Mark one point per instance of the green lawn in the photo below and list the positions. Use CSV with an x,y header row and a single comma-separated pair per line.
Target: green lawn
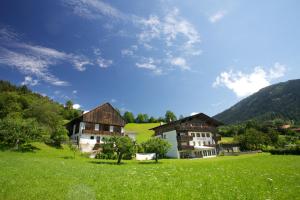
x,y
142,130
51,174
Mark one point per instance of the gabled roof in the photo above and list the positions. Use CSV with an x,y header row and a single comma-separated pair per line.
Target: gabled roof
x,y
103,114
200,116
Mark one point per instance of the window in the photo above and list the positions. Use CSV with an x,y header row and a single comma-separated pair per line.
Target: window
x,y
193,134
92,137
96,127
194,143
207,135
199,143
203,143
203,134
208,142
198,134
111,128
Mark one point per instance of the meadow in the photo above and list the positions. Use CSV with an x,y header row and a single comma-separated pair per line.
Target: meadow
x,y
142,130
51,173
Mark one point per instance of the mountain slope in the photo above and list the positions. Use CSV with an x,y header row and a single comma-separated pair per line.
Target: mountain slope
x,y
280,100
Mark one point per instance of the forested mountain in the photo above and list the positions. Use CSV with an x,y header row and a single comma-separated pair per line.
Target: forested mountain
x,y
280,100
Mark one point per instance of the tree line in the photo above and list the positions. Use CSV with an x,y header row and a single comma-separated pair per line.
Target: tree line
x,y
144,118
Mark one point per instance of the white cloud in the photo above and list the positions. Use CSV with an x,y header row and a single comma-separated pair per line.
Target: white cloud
x,y
76,106
217,16
29,81
74,91
113,100
149,64
94,9
243,84
103,63
129,51
180,62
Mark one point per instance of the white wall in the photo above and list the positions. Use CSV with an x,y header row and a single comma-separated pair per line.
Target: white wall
x,y
171,137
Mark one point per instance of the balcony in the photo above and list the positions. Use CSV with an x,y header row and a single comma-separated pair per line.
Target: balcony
x,y
186,147
184,138
94,132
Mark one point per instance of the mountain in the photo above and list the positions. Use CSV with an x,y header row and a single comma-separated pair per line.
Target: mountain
x,y
280,100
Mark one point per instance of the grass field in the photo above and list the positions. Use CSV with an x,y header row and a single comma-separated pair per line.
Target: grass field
x,y
142,130
52,174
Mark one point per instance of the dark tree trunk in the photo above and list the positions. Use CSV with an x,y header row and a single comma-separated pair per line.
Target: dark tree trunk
x,y
119,158
156,157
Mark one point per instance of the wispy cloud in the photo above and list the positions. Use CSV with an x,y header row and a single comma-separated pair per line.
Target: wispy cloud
x,y
180,62
178,36
217,16
243,84
94,9
35,60
149,64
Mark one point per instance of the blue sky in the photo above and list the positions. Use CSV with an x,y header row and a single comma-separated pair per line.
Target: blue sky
x,y
149,56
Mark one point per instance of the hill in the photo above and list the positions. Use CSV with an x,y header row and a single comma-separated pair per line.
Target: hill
x,y
142,130
280,100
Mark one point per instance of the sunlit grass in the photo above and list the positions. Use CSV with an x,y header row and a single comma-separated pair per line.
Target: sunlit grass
x,y
142,130
52,174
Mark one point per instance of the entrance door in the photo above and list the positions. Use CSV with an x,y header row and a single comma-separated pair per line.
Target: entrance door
x,y
98,138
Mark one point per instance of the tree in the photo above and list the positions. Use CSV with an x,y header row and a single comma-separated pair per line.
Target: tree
x,y
170,116
59,135
122,145
140,118
16,132
156,145
73,147
129,117
152,120
146,118
69,105
252,139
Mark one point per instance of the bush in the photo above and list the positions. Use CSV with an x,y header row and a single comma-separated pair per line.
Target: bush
x,y
287,151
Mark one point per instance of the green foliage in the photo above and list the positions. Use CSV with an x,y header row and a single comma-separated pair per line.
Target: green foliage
x,y
116,148
170,116
278,101
22,105
128,117
156,145
17,132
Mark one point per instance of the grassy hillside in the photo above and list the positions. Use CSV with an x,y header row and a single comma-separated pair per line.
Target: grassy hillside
x,y
51,174
142,130
281,100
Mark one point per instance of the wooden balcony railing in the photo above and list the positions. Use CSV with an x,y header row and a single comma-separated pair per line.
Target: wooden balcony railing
x,y
184,138
102,133
186,147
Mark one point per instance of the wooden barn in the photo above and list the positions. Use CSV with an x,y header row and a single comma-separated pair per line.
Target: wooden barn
x,y
191,137
89,129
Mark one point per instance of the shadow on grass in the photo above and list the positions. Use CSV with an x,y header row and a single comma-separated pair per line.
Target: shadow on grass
x,y
67,157
54,145
106,163
23,148
148,163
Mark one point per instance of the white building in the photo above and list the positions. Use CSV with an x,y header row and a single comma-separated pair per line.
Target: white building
x,y
190,137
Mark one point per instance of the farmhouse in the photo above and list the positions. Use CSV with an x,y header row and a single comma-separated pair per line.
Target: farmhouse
x,y
89,129
190,137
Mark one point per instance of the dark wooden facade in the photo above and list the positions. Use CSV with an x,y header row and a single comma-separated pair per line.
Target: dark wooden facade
x,y
197,123
104,115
